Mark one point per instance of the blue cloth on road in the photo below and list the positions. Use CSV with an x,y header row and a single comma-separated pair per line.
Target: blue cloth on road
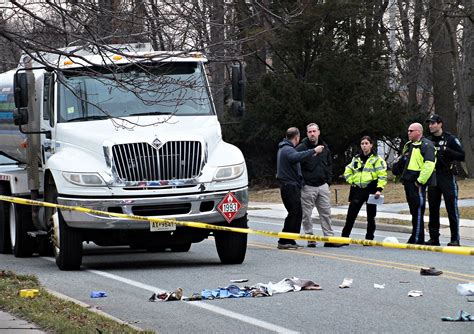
x,y
232,291
98,294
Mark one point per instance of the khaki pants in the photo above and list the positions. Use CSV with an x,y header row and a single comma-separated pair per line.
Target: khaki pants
x,y
319,197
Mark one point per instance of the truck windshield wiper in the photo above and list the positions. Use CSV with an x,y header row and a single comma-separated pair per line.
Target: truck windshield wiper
x,y
151,113
89,118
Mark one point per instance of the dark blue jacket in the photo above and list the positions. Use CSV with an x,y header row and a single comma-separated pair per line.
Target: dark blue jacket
x,y
288,163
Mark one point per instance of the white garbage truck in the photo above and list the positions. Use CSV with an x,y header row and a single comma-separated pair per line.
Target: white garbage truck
x,y
121,129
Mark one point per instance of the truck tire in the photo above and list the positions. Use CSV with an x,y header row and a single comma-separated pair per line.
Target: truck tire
x,y
20,224
68,245
5,243
232,246
67,241
181,248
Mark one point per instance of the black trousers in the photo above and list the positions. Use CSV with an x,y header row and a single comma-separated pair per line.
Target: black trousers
x,y
291,197
358,197
416,198
448,187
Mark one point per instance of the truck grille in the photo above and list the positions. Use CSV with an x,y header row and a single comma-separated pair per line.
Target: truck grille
x,y
174,160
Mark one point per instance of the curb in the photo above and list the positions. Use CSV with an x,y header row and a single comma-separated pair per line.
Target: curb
x,y
379,226
339,222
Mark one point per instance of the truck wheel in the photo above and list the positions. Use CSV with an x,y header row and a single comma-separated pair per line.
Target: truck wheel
x,y
67,244
20,224
232,246
45,246
181,248
5,243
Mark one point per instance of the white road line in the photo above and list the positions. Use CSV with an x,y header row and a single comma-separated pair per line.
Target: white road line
x,y
206,306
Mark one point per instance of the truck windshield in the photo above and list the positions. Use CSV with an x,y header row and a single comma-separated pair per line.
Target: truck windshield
x,y
134,90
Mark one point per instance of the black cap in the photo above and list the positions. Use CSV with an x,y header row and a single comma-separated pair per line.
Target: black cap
x,y
435,118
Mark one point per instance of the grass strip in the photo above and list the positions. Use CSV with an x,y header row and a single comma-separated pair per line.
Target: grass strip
x,y
50,312
390,221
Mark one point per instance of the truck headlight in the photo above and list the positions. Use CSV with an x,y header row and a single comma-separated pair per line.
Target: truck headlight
x,y
84,179
229,172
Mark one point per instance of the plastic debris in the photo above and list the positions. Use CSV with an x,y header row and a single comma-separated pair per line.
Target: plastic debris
x,y
461,316
431,271
241,280
415,293
167,296
379,286
29,293
346,283
98,294
391,239
466,289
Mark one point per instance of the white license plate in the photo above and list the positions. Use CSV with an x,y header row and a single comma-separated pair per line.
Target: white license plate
x,y
162,226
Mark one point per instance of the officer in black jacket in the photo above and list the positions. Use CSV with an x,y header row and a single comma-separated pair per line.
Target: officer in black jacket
x,y
449,150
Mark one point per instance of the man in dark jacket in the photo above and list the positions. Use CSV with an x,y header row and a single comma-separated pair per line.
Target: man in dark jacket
x,y
291,181
416,169
449,150
317,175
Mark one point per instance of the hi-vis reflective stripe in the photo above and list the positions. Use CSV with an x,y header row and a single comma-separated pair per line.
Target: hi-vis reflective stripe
x,y
284,235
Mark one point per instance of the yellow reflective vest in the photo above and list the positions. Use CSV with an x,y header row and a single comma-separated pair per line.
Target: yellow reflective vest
x,y
420,162
361,175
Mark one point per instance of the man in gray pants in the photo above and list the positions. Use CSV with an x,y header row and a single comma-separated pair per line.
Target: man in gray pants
x,y
317,175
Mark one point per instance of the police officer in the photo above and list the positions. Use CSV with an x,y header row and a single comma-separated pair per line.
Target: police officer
x,y
416,168
449,150
367,174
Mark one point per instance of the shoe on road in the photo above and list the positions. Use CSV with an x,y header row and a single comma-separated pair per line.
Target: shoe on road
x,y
288,246
454,243
432,242
432,271
311,244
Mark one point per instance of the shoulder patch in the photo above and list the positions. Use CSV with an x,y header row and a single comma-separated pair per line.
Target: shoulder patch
x,y
457,141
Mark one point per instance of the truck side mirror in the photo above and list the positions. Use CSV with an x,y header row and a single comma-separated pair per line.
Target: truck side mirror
x,y
20,116
238,90
237,109
20,88
238,82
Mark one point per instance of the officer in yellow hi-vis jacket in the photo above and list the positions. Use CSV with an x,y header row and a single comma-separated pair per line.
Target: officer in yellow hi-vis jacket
x,y
415,167
367,174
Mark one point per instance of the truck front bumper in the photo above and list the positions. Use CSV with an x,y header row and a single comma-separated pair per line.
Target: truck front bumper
x,y
195,207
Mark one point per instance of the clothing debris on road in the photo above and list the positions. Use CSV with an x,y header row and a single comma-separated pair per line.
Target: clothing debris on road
x,y
167,296
234,291
98,294
466,289
461,316
346,283
415,293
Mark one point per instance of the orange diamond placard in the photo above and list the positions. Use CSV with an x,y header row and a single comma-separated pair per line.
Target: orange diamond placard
x,y
229,206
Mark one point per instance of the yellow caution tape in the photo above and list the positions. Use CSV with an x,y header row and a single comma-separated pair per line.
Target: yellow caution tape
x,y
29,293
464,250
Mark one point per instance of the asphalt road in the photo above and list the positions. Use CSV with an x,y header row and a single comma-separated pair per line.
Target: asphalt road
x,y
130,278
